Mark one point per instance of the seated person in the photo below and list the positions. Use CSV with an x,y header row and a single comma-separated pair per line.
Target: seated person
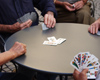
x,y
11,10
18,49
93,29
74,11
82,75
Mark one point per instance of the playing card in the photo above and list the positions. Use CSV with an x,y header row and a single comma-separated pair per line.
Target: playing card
x,y
33,16
49,43
24,18
61,40
18,20
98,33
74,64
91,74
86,60
78,59
52,39
44,27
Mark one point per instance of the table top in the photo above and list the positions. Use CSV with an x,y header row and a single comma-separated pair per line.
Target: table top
x,y
54,59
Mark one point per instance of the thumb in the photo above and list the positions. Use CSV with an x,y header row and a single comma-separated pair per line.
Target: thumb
x,y
85,71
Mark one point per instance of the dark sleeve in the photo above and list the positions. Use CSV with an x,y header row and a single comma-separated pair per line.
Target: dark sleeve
x,y
45,5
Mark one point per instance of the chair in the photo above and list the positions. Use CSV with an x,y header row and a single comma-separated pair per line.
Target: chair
x,y
92,7
10,66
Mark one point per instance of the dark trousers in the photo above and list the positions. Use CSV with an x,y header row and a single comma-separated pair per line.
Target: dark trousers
x,y
82,15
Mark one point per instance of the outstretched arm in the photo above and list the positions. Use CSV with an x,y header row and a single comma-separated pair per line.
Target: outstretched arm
x,y
17,50
15,27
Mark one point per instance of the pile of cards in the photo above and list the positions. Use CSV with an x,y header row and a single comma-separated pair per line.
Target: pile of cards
x,y
86,60
53,41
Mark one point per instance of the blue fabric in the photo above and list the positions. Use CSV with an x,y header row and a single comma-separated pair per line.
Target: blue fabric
x,y
11,10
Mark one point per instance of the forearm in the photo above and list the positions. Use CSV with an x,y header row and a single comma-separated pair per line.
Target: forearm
x,y
58,3
5,28
5,57
98,20
84,1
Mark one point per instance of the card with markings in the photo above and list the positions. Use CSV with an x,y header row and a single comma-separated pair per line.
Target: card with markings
x,y
86,60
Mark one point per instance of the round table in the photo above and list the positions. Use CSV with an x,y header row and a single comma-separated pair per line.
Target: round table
x,y
54,59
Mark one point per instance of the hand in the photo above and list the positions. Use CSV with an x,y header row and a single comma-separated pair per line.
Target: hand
x,y
18,49
49,19
80,75
17,26
68,6
93,29
79,5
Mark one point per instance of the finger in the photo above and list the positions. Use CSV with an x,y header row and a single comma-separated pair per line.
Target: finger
x,y
54,22
25,23
79,6
28,24
76,74
91,29
76,71
68,4
49,21
70,9
45,19
84,71
96,29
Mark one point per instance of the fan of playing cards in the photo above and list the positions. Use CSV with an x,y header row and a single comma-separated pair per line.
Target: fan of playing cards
x,y
53,41
86,60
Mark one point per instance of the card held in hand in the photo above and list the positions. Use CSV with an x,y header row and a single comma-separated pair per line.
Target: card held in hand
x,y
86,60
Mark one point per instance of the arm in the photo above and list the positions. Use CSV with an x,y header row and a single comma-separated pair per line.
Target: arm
x,y
65,5
15,27
80,4
17,50
48,11
58,3
45,6
5,28
93,29
84,1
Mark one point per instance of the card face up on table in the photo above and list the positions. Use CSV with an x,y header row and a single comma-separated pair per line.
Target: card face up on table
x,y
53,41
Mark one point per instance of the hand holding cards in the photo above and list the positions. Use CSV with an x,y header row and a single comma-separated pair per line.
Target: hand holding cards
x,y
27,16
53,41
86,60
44,27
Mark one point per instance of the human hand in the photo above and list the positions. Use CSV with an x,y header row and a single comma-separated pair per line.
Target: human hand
x,y
49,19
93,29
79,5
68,6
80,75
18,49
19,26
